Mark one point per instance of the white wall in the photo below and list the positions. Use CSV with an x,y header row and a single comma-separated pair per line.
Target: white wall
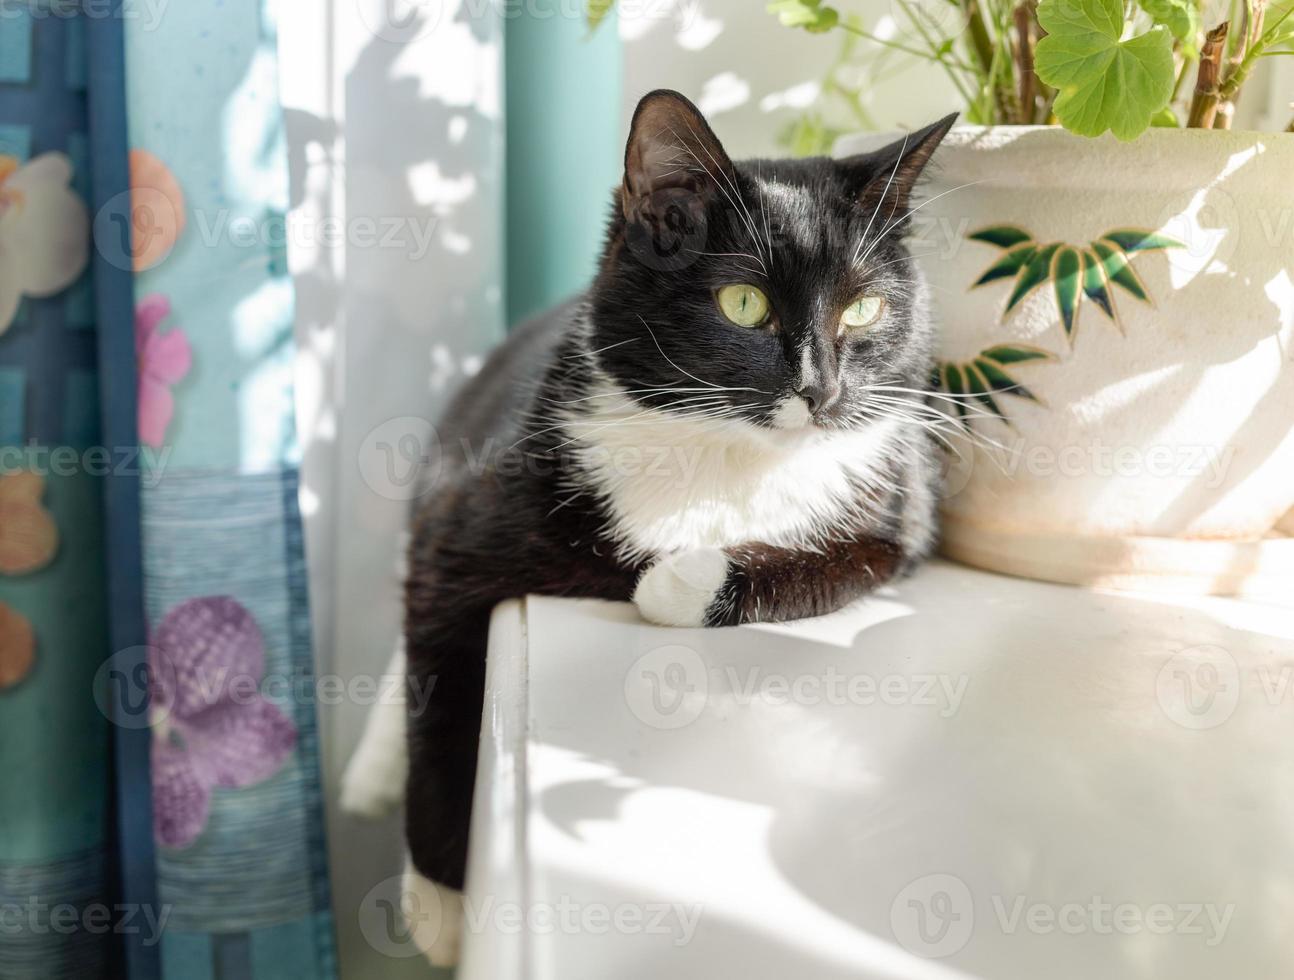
x,y
748,73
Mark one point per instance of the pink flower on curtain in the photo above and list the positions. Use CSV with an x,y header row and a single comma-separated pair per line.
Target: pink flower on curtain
x,y
164,359
212,727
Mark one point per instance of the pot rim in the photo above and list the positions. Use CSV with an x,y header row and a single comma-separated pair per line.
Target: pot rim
x,y
1051,157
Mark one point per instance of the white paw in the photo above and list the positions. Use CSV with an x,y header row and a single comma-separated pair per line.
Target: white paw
x,y
373,783
434,917
678,590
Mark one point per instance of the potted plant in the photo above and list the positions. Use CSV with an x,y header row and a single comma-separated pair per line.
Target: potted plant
x,y
1114,268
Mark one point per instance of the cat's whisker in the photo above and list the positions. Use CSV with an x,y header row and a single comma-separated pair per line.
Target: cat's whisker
x,y
688,373
909,213
631,391
763,211
724,420
945,418
595,353
943,395
735,202
877,210
934,411
903,258
933,429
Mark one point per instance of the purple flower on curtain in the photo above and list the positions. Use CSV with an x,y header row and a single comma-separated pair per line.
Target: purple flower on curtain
x,y
212,727
164,359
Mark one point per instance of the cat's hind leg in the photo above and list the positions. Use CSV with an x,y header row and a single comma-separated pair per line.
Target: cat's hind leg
x,y
434,917
373,783
447,664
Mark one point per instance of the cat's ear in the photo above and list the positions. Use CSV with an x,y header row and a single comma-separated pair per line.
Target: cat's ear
x,y
672,160
885,177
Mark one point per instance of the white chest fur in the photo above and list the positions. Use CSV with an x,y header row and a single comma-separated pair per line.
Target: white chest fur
x,y
673,484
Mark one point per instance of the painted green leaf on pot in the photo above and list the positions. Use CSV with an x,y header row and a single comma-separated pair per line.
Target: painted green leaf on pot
x,y
1001,382
1017,354
1104,80
954,383
1033,275
1066,275
1139,240
985,376
1073,271
1003,236
1009,264
979,387
1096,286
1118,268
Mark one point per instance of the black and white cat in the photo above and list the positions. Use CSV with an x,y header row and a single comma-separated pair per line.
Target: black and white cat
x,y
731,426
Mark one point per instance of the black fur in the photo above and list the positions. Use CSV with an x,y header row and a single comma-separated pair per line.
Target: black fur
x,y
511,512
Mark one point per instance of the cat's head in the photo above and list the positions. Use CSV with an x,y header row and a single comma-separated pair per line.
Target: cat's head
x,y
773,291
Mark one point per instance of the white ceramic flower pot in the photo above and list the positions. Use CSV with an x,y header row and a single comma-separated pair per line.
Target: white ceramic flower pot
x,y
1150,446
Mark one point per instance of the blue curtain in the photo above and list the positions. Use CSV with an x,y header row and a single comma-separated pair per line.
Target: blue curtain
x,y
161,809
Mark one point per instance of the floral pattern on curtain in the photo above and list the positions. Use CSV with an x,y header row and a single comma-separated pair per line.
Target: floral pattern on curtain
x,y
152,577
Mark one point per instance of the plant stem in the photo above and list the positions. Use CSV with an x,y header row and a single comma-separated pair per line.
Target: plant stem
x,y
1187,61
1204,103
1024,62
981,43
915,52
1257,49
945,62
1244,44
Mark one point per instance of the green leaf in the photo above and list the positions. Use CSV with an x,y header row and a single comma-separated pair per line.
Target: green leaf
x,y
1165,118
595,11
1095,284
1002,382
809,136
1017,354
1066,276
1181,17
1118,269
808,14
1139,240
1280,21
1033,275
1003,236
1008,265
1104,82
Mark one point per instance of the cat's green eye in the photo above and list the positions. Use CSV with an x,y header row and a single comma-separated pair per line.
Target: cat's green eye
x,y
862,312
743,304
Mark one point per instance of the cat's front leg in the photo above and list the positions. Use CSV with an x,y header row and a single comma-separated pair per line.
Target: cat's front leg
x,y
761,583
